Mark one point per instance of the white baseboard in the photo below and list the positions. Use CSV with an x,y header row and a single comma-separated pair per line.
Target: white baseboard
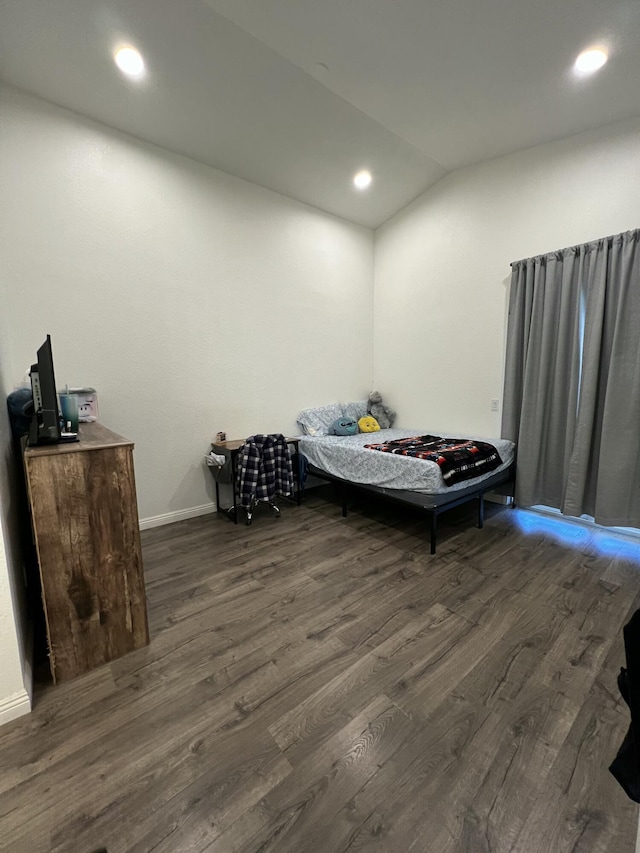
x,y
178,515
14,707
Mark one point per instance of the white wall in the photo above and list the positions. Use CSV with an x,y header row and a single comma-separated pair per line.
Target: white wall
x,y
15,669
192,300
14,698
442,268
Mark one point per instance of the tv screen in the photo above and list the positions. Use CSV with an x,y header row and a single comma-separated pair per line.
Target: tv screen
x,y
45,425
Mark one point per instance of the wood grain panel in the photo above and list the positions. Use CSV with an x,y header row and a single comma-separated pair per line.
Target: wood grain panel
x,y
85,523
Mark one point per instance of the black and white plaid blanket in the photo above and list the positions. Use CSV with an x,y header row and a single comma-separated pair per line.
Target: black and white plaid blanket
x,y
459,459
263,469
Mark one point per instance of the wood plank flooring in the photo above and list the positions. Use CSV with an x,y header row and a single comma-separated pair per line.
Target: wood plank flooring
x,y
324,684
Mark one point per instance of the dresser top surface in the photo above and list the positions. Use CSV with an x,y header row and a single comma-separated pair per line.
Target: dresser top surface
x,y
93,436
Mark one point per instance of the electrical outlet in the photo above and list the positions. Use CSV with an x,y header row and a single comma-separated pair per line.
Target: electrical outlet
x,y
495,404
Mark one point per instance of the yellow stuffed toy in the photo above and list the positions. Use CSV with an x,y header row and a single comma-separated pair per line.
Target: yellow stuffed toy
x,y
368,424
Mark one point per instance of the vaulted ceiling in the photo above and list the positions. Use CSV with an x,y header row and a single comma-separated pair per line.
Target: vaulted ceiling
x,y
298,95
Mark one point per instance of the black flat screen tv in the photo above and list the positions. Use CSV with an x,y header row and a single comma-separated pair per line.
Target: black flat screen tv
x,y
45,424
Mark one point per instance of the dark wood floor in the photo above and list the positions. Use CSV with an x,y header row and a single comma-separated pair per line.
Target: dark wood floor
x,y
321,684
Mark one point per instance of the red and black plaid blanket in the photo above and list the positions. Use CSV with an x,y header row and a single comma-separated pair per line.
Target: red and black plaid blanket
x,y
459,459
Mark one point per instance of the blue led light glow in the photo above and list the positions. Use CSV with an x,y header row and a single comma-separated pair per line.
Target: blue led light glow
x,y
578,534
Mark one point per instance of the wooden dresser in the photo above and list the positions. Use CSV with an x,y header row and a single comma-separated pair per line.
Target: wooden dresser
x,y
85,523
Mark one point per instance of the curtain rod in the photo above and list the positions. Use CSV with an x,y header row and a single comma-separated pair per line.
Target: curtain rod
x,y
633,233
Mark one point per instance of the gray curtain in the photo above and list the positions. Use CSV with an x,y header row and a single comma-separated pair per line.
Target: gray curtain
x,y
572,379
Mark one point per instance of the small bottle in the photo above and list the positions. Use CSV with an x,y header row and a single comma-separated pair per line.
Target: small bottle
x,y
221,437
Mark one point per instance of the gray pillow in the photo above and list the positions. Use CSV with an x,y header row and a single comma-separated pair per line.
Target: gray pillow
x,y
355,410
318,421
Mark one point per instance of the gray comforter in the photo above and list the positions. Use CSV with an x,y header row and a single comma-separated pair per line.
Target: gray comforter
x,y
346,457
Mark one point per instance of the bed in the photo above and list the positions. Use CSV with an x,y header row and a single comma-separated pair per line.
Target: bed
x,y
347,462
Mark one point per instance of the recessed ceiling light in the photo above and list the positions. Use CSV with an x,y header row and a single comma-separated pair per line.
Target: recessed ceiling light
x,y
362,179
129,61
590,60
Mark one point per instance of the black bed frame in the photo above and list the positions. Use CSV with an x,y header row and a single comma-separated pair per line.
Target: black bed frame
x,y
431,504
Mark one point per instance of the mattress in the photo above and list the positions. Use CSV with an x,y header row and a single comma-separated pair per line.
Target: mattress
x,y
346,457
